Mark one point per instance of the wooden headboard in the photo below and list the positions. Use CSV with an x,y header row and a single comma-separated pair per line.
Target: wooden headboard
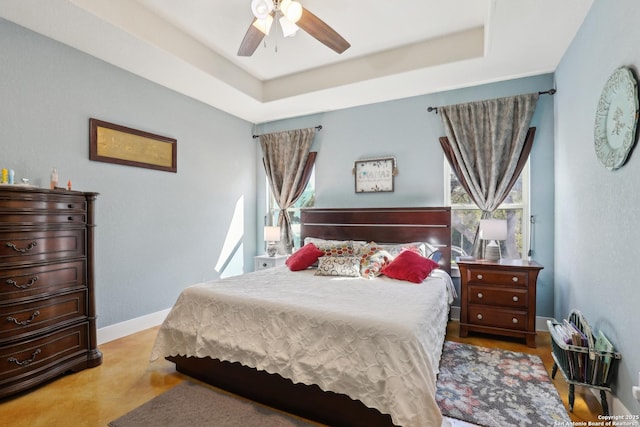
x,y
382,225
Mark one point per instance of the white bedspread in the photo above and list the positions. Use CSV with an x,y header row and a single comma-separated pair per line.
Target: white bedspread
x,y
378,341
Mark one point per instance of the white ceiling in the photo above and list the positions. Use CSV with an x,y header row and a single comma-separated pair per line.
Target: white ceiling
x,y
398,48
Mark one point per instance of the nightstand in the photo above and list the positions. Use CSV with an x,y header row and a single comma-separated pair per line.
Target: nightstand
x,y
499,298
262,262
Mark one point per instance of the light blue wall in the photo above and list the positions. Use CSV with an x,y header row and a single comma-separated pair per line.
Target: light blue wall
x,y
406,130
157,231
597,210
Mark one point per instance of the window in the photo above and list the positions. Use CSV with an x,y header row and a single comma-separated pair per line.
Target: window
x,y
306,200
465,216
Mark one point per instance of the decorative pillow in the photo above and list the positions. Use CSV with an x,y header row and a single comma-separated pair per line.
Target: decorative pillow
x,y
333,248
435,256
304,257
409,266
338,266
372,260
429,250
395,248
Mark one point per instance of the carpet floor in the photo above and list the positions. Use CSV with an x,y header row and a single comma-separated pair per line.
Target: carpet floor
x,y
493,387
192,405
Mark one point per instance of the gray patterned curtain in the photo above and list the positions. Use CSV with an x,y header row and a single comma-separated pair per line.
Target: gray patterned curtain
x,y
487,144
288,164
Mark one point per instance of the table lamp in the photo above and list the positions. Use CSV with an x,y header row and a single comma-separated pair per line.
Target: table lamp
x,y
271,236
492,230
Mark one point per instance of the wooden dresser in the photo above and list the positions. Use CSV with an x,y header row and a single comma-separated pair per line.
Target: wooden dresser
x,y
47,308
499,298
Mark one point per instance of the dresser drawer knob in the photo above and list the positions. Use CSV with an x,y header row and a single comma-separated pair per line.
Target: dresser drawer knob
x,y
264,264
70,206
29,247
70,218
514,320
24,322
515,298
25,362
479,316
30,283
515,279
479,276
480,295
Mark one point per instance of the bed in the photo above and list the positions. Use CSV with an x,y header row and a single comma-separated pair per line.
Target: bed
x,y
340,350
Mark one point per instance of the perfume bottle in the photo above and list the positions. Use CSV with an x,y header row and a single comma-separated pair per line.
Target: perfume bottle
x,y
54,178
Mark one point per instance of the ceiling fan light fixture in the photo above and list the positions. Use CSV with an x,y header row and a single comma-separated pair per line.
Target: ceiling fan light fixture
x,y
291,9
264,25
261,8
289,29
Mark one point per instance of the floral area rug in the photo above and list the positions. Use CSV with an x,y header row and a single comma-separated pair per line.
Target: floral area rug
x,y
493,387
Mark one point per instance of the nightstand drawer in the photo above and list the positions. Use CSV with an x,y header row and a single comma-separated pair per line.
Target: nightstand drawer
x,y
265,263
498,296
262,262
497,277
498,318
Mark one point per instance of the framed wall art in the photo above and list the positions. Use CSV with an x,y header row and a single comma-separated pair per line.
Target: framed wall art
x,y
113,143
375,175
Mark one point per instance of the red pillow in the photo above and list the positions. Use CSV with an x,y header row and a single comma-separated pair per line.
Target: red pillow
x,y
409,266
304,257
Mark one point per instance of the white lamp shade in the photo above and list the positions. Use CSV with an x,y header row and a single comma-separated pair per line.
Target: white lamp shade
x,y
291,9
261,8
289,29
272,234
493,229
264,25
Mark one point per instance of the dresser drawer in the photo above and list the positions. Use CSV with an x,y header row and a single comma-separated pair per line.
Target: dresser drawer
x,y
497,277
498,318
498,296
60,204
27,219
38,246
18,284
21,320
33,357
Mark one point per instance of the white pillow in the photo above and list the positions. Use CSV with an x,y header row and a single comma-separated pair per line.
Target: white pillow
x,y
395,248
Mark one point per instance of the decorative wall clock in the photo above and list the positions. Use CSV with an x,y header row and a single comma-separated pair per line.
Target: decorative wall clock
x,y
616,119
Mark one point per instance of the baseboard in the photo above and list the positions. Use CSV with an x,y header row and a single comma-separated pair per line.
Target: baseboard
x,y
616,407
541,322
128,327
454,313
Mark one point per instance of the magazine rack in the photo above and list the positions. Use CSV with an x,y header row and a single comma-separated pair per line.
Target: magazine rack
x,y
583,359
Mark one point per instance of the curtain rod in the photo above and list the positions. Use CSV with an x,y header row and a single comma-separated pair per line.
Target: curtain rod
x,y
319,127
546,92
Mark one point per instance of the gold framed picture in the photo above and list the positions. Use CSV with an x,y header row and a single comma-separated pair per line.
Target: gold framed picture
x,y
113,143
375,175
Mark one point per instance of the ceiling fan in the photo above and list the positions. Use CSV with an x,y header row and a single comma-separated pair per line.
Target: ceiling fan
x,y
291,16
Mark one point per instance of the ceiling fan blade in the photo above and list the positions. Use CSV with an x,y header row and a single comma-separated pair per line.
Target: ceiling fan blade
x,y
322,32
251,40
